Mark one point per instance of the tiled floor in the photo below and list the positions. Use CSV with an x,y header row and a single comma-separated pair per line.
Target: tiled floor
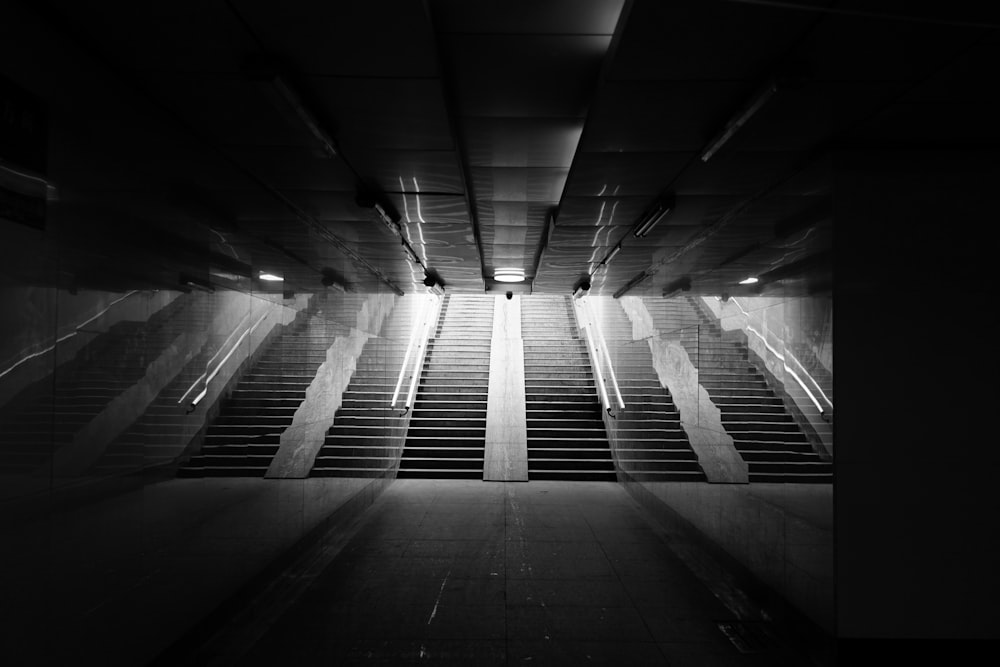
x,y
481,573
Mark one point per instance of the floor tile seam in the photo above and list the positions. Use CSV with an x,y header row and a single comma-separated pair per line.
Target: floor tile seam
x,y
617,577
506,578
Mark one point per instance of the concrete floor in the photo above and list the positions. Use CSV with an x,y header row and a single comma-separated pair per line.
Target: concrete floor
x,y
435,571
466,572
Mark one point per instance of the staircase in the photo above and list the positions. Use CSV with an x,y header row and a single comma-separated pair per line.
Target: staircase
x,y
772,444
363,441
35,427
651,445
246,434
160,434
447,433
566,436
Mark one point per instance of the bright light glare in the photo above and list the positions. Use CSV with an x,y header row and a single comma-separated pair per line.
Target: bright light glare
x,y
509,275
270,277
748,281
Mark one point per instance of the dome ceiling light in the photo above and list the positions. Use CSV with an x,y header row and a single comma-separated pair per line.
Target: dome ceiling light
x,y
509,275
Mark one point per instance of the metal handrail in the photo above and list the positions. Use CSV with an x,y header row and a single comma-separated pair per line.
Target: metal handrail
x,y
599,349
611,369
208,376
409,349
77,329
418,359
597,367
781,357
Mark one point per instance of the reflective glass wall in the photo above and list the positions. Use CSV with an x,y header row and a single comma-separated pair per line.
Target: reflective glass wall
x,y
713,418
160,447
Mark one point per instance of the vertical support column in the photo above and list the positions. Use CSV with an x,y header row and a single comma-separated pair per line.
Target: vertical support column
x,y
506,455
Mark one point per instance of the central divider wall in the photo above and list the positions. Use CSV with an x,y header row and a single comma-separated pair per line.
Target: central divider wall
x,y
506,456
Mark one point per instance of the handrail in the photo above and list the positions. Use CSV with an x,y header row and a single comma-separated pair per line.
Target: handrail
x,y
598,347
209,376
597,367
406,357
607,356
418,359
77,329
781,357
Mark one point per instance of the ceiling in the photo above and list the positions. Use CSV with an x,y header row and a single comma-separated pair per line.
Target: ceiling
x,y
212,140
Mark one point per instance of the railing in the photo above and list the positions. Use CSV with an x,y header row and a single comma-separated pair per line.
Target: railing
x,y
782,358
599,352
206,378
76,330
417,348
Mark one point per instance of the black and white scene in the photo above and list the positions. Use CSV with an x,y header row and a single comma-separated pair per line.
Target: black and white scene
x,y
498,332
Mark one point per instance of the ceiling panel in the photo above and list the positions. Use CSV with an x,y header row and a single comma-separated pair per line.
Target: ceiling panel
x,y
366,114
345,38
600,211
585,17
513,213
431,208
166,36
479,107
736,173
227,108
623,174
525,75
439,234
519,184
521,142
294,167
672,116
411,171
706,40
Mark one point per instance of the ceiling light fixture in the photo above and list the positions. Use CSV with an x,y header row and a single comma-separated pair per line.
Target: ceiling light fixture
x,y
509,275
748,281
740,119
660,208
410,255
365,199
611,255
270,277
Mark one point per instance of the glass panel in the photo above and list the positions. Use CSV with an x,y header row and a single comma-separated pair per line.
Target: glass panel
x,y
716,430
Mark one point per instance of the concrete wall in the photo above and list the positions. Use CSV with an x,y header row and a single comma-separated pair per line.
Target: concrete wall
x,y
917,465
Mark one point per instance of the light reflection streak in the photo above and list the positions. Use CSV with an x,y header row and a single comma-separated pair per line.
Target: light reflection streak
x,y
416,275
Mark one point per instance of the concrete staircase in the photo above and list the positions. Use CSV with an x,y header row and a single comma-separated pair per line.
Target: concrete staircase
x,y
764,433
36,425
566,436
363,441
245,436
447,433
159,436
650,444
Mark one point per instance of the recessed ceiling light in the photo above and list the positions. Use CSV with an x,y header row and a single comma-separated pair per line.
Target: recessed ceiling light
x,y
264,275
748,281
509,275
